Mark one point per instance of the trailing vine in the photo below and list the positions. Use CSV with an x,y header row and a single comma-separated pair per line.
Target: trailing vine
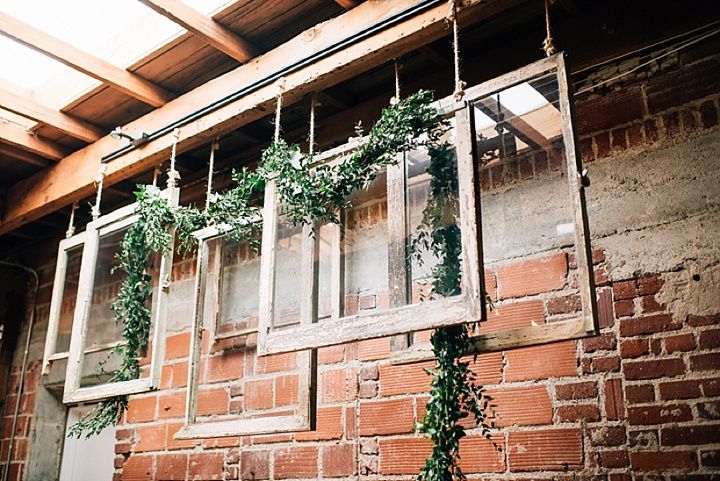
x,y
454,394
310,193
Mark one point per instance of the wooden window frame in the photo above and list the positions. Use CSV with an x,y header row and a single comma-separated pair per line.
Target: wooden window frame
x,y
56,299
104,225
401,317
302,420
470,306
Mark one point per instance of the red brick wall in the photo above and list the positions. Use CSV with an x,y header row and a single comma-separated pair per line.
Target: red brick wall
x,y
641,401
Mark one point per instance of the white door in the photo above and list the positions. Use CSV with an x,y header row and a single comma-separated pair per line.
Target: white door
x,y
87,459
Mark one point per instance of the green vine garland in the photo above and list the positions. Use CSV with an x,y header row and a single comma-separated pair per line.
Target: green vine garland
x,y
317,193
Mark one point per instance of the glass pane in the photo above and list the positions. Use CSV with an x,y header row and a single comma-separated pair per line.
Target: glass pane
x,y
366,250
102,330
69,297
433,217
87,459
325,266
527,207
237,291
288,270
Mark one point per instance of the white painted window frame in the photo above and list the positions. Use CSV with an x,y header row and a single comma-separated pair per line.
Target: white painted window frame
x,y
304,417
404,318
104,225
58,291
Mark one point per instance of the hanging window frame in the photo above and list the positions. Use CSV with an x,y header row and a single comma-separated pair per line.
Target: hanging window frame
x,y
56,299
304,417
471,305
104,225
401,317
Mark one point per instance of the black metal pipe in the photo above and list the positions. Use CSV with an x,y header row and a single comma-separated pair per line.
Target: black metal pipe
x,y
293,67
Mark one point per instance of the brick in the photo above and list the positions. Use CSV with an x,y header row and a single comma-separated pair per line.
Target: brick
x,y
614,459
259,394
614,401
698,80
171,466
179,374
138,468
603,342
338,385
331,354
532,276
541,362
276,363
213,401
661,460
659,414
374,349
635,135
680,390
649,285
697,321
708,114
171,405
296,462
286,390
632,348
549,449
328,425
405,379
225,367
393,416
654,369
671,121
602,142
690,435
624,289
481,455
650,305
524,406
710,458
637,326
680,343
709,339
644,438
606,318
652,132
564,305
254,465
705,362
513,315
608,436
578,412
619,139
369,373
177,346
141,409
338,461
205,466
403,455
625,308
368,389
369,446
150,438
601,364
576,390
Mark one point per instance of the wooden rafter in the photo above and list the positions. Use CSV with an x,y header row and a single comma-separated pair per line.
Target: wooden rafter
x,y
73,178
23,156
25,107
127,82
221,38
22,139
348,4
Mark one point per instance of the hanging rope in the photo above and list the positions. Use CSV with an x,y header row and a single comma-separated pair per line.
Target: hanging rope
x,y
211,170
548,44
99,181
311,137
459,92
156,174
173,175
71,224
278,108
396,98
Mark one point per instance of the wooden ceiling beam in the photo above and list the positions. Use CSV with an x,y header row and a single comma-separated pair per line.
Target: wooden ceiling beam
x,y
219,37
119,78
348,4
73,178
30,109
23,156
22,139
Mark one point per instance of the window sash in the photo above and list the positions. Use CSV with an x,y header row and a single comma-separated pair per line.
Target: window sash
x,y
108,224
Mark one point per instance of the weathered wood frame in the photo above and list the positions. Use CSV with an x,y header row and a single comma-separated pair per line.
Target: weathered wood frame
x,y
302,420
56,299
586,324
103,226
401,317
